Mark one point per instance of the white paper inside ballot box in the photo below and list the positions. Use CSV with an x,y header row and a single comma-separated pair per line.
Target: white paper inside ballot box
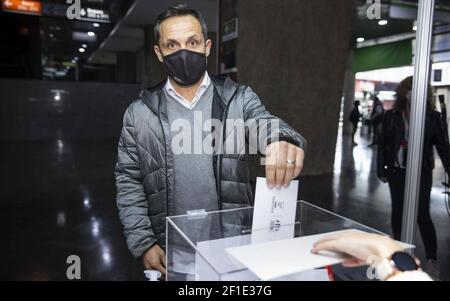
x,y
213,263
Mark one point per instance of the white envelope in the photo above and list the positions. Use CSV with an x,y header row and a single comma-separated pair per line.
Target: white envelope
x,y
274,211
274,259
280,258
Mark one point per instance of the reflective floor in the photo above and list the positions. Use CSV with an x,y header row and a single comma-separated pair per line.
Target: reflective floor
x,y
58,200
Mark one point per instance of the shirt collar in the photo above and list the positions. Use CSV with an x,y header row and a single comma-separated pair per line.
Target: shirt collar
x,y
200,91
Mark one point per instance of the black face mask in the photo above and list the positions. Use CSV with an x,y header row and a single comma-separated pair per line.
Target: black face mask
x,y
185,67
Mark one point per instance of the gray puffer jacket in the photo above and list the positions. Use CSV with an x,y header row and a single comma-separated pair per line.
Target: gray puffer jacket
x,y
144,170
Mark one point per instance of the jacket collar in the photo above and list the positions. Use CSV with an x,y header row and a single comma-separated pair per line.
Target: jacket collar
x,y
224,86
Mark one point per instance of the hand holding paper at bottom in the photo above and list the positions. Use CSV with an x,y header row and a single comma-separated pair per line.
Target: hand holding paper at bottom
x,y
279,258
275,259
362,248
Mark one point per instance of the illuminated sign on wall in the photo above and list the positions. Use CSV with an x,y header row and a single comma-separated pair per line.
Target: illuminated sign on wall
x,y
91,14
22,6
85,13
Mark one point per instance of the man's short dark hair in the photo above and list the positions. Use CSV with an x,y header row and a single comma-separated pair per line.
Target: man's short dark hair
x,y
179,10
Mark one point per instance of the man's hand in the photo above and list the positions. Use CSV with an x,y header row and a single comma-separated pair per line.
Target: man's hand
x,y
284,162
155,259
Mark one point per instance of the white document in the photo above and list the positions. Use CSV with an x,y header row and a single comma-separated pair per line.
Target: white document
x,y
227,268
280,258
274,211
275,259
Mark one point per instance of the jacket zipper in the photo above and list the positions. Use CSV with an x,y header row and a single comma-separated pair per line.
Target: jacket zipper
x,y
219,157
165,159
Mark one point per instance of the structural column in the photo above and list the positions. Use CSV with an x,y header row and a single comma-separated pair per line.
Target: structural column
x,y
417,123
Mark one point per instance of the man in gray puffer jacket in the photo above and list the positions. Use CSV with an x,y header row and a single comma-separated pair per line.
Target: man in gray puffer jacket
x,y
158,174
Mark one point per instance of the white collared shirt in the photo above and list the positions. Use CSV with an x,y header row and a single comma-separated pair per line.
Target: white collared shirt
x,y
200,91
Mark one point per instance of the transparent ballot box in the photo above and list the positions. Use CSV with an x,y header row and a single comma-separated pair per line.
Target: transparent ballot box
x,y
197,242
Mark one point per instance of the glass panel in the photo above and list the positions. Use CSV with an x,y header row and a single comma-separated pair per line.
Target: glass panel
x,y
434,209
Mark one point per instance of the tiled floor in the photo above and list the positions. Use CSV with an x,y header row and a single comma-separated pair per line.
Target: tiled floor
x,y
58,200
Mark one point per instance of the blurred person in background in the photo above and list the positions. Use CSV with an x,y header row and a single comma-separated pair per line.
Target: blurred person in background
x,y
392,159
376,117
354,118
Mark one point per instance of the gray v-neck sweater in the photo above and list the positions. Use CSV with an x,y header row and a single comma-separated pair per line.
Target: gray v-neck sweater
x,y
195,184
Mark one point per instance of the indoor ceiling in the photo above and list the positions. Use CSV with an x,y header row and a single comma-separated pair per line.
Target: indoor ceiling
x,y
400,22
62,39
128,33
64,42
